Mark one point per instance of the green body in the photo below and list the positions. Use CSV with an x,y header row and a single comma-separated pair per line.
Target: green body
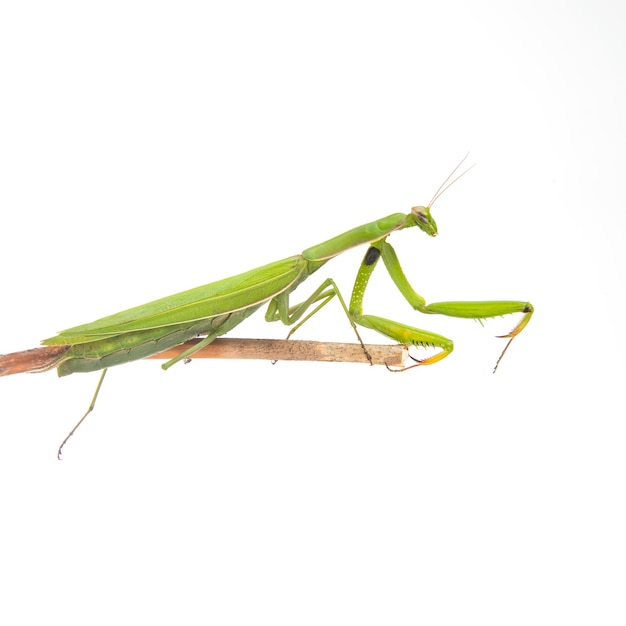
x,y
151,328
216,308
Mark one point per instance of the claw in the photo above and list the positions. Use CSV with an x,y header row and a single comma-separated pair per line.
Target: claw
x,y
418,362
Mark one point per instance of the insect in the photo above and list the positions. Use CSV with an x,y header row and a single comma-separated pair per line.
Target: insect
x,y
216,308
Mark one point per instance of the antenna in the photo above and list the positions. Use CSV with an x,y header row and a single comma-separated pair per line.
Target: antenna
x,y
446,185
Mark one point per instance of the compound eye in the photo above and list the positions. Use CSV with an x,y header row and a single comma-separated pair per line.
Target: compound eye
x,y
419,213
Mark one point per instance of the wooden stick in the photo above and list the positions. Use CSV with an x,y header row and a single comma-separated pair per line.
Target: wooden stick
x,y
44,358
282,350
33,360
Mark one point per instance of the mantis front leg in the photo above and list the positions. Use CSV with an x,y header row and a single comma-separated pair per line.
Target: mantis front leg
x,y
407,334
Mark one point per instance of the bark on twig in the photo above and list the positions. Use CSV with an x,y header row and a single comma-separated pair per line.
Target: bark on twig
x,y
45,357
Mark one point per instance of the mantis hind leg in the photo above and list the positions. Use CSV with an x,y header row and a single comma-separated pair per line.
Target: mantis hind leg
x,y
87,412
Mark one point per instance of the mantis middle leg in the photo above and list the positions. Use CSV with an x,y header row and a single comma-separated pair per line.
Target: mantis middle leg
x,y
279,309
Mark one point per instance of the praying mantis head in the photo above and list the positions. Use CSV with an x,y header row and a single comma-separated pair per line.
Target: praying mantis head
x,y
421,214
422,218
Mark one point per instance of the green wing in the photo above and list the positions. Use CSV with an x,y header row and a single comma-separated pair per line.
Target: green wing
x,y
218,298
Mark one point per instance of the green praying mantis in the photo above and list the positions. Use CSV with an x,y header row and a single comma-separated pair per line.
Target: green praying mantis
x,y
214,309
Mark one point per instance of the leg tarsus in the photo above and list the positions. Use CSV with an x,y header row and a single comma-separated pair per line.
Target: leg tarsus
x,y
397,370
528,313
508,343
418,362
82,419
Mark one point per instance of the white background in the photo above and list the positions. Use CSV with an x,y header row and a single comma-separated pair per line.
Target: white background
x,y
149,147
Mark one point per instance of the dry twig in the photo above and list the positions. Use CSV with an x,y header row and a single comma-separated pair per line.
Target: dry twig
x,y
44,358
